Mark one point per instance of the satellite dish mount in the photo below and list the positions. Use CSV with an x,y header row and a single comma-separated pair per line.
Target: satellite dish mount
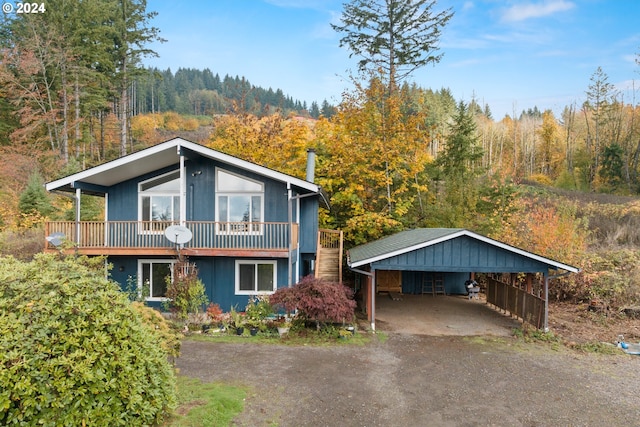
x,y
178,234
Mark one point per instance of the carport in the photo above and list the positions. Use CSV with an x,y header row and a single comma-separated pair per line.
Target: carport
x,y
438,261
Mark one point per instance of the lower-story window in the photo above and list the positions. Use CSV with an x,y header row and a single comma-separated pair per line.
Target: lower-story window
x,y
255,277
153,275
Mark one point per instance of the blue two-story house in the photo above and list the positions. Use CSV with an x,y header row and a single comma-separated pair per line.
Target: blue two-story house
x,y
251,229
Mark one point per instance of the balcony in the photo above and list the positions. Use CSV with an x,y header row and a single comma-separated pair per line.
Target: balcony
x,y
146,238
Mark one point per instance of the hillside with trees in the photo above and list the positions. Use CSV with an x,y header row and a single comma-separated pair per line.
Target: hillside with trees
x,y
392,155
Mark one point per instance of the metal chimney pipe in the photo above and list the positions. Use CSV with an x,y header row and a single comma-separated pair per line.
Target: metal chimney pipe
x,y
311,164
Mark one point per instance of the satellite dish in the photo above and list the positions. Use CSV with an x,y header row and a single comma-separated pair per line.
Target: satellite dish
x,y
56,239
178,234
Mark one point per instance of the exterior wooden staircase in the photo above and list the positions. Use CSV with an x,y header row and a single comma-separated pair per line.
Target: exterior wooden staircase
x,y
329,255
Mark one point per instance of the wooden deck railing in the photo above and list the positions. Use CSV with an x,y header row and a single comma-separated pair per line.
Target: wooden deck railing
x,y
527,307
150,234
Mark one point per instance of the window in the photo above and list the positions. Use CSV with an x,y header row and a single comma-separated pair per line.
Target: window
x,y
239,207
255,277
159,201
153,278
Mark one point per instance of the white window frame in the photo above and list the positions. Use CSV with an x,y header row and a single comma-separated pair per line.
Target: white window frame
x,y
146,228
222,225
171,263
255,262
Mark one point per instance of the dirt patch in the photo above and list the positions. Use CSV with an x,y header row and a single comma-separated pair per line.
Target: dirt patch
x,y
575,323
421,380
448,361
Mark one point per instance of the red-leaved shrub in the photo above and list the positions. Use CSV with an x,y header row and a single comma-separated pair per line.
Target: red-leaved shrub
x,y
316,299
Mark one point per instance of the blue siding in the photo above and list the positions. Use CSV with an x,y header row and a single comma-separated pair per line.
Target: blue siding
x,y
123,267
308,224
462,254
200,203
123,197
216,273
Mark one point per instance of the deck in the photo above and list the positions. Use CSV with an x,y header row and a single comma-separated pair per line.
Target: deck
x,y
210,238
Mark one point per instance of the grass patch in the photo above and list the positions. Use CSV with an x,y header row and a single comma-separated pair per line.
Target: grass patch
x,y
597,348
382,337
304,336
206,404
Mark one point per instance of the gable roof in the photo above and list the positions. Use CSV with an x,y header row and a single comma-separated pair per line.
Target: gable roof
x,y
411,240
159,156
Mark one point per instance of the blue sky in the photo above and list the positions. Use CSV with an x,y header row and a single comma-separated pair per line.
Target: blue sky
x,y
512,55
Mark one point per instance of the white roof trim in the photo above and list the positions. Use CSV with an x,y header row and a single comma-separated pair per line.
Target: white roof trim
x,y
181,143
475,236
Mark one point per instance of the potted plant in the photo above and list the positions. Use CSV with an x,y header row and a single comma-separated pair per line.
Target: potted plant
x,y
257,310
238,321
214,312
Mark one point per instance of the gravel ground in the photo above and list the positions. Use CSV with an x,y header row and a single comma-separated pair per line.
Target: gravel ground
x,y
420,380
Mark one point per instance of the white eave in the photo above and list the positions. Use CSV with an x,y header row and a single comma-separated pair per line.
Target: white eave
x,y
160,156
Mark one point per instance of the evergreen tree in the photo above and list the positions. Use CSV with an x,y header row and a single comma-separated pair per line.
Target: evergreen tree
x,y
34,198
392,36
459,171
612,168
314,111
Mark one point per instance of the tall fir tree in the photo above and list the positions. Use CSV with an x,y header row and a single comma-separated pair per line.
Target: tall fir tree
x,y
394,37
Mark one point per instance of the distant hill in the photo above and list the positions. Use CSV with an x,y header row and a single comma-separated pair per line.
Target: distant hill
x,y
201,92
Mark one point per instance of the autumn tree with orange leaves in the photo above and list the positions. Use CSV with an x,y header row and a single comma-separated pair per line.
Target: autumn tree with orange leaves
x,y
372,161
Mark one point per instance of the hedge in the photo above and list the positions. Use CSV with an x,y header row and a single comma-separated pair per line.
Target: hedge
x,y
74,351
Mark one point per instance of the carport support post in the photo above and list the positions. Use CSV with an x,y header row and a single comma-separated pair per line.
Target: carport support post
x,y
546,302
373,301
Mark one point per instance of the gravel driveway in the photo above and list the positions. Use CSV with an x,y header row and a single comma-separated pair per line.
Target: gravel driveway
x,y
417,380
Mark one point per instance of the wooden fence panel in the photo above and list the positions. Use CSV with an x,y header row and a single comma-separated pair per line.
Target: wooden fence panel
x,y
517,302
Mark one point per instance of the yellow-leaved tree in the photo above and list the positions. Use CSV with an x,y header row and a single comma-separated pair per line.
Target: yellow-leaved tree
x,y
371,162
272,141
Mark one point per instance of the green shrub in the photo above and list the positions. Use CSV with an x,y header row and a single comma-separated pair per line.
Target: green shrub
x,y
186,292
169,337
73,350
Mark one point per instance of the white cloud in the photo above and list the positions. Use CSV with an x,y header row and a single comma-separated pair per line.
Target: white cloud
x,y
468,5
524,11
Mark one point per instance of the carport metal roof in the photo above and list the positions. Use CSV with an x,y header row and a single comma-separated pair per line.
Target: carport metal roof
x,y
449,249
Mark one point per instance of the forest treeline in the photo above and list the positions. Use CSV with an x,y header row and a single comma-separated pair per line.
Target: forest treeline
x,y
200,92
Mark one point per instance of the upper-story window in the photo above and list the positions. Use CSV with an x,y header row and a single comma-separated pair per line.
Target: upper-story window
x,y
239,203
159,199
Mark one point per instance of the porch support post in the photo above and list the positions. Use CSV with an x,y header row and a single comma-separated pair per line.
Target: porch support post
x,y
106,219
183,188
77,201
